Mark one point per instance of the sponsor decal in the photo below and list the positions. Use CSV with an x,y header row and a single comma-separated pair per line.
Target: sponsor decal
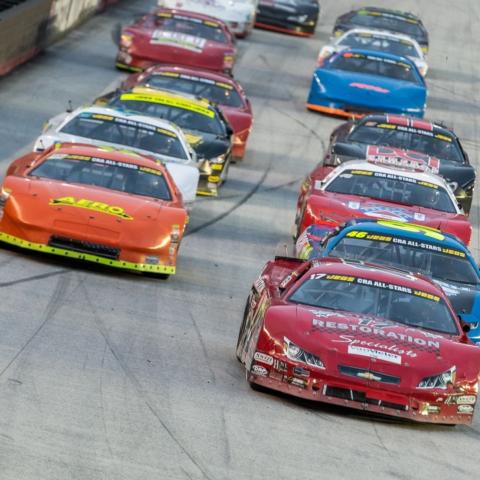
x,y
263,357
465,409
366,86
91,205
259,285
375,283
461,400
402,158
178,40
176,102
402,341
372,353
259,370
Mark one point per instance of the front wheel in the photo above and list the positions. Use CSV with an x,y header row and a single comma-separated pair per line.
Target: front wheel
x,y
241,333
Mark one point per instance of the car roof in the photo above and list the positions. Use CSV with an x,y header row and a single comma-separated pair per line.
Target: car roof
x,y
407,121
188,13
107,153
381,273
154,121
191,71
394,228
375,167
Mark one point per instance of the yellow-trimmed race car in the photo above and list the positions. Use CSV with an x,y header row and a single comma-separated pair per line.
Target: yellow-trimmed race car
x,y
205,127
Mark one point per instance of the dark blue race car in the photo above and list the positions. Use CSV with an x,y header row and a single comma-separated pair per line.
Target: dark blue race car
x,y
409,247
353,82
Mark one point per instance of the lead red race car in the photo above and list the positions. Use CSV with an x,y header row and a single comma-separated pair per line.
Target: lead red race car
x,y
383,187
360,336
176,36
217,88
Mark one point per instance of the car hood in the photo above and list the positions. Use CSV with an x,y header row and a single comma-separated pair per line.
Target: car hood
x,y
371,90
463,175
95,213
346,339
158,44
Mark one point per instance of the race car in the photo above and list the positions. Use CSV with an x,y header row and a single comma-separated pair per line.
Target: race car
x,y
159,139
359,335
297,17
176,36
94,204
206,130
378,41
420,137
414,248
354,82
383,19
219,89
239,15
380,189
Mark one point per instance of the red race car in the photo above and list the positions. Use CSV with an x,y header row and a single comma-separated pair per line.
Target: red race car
x,y
215,87
176,36
380,188
360,336
100,205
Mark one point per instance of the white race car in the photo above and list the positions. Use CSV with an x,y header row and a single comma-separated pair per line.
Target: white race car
x,y
239,15
145,135
377,40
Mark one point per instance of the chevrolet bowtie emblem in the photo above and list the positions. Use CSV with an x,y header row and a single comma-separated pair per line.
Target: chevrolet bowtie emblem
x,y
369,376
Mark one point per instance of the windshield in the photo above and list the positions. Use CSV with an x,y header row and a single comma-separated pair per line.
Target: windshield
x,y
380,43
110,129
213,91
442,263
183,117
180,24
371,65
392,188
100,172
440,145
388,22
400,304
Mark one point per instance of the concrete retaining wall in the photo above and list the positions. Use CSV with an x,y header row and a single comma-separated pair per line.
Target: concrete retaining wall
x,y
27,28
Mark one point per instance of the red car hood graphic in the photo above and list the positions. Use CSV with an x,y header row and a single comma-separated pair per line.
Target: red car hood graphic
x,y
346,339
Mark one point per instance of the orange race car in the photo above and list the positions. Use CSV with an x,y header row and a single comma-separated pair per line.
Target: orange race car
x,y
101,205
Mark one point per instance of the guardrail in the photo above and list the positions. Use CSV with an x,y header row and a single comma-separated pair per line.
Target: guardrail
x,y
28,26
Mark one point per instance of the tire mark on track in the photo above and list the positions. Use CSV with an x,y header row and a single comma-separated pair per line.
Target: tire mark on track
x,y
234,207
52,307
142,394
33,278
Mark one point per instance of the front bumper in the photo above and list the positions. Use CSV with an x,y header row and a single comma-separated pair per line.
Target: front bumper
x,y
212,176
316,385
100,260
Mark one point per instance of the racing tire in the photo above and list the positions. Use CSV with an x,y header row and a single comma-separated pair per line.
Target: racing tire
x,y
224,174
242,331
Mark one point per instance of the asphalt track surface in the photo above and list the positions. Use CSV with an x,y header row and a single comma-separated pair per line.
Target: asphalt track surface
x,y
105,375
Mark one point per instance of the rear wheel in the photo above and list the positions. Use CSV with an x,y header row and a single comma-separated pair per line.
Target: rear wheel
x,y
241,333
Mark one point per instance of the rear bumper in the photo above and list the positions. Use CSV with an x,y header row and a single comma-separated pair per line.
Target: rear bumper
x,y
301,31
100,260
316,385
134,63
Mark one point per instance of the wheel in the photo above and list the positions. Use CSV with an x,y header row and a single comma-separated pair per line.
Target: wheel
x,y
241,332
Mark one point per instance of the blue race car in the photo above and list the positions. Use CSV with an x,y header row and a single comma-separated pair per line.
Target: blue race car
x,y
440,256
354,82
